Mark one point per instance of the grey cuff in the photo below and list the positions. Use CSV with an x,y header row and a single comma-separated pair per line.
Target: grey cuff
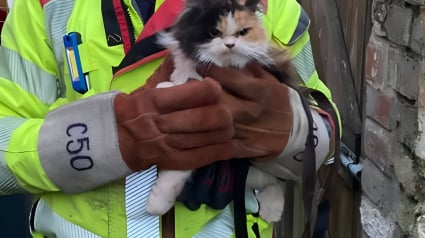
x,y
78,145
288,164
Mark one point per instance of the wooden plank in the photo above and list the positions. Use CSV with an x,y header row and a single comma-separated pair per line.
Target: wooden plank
x,y
334,66
356,23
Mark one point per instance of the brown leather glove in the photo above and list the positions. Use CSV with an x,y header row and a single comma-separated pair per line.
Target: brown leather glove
x,y
182,127
261,109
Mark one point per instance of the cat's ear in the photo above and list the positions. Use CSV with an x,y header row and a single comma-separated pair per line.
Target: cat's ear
x,y
250,4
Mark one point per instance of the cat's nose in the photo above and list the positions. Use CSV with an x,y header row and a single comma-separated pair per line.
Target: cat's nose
x,y
229,45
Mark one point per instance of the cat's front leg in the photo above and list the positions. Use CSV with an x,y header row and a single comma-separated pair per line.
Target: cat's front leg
x,y
168,186
270,194
272,201
184,69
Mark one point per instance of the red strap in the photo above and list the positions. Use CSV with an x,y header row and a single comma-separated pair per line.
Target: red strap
x,y
122,22
164,17
43,2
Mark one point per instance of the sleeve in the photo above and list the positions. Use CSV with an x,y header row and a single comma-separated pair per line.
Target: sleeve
x,y
288,24
288,164
28,86
41,133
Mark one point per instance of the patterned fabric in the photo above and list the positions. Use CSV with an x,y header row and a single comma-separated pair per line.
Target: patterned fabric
x,y
221,226
8,183
22,72
304,63
52,225
57,15
137,189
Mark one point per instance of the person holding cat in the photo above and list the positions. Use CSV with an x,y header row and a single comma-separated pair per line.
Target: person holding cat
x,y
84,132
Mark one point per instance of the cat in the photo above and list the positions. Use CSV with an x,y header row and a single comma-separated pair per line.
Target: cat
x,y
227,33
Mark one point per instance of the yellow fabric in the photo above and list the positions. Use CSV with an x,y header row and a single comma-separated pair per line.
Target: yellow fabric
x,y
282,18
265,229
102,210
33,178
27,39
188,223
136,76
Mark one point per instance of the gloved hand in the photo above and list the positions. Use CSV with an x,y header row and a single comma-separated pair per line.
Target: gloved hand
x,y
261,108
182,127
102,138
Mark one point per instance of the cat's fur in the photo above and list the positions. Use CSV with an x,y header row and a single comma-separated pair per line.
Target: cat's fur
x,y
227,33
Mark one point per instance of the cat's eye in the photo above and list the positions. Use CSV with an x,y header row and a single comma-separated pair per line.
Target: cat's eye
x,y
243,32
215,32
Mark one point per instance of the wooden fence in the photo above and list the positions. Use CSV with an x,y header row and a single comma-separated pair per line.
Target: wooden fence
x,y
339,33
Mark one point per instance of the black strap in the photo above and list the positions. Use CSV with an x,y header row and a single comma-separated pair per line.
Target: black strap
x,y
241,173
313,197
110,23
308,161
309,183
140,50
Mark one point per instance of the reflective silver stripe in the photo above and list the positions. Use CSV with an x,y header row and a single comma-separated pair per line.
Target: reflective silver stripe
x,y
302,26
221,226
28,76
8,183
57,13
304,63
50,224
137,189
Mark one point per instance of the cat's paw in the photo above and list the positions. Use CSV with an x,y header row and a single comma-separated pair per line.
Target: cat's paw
x,y
165,84
180,76
159,204
167,187
271,202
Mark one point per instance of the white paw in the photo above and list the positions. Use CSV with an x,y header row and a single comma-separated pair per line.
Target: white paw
x,y
159,204
168,186
271,202
165,85
181,76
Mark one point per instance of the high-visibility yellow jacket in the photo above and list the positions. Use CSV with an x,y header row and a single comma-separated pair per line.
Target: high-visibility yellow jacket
x,y
34,80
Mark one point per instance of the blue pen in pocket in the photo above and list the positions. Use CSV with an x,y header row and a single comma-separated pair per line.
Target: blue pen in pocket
x,y
80,82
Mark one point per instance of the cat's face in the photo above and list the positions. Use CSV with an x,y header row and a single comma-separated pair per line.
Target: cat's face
x,y
222,32
236,39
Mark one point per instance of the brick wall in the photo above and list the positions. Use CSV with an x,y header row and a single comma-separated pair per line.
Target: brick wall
x,y
393,140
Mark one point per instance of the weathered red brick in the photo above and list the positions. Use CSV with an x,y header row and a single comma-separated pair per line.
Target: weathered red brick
x,y
377,146
381,106
376,61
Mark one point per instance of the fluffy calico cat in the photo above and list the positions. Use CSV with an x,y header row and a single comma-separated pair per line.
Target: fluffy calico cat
x,y
227,33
